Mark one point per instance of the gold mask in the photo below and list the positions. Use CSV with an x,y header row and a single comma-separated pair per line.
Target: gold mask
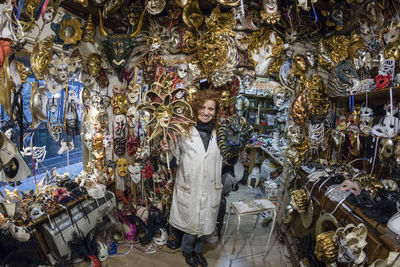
x,y
392,51
122,167
212,53
299,108
101,121
90,31
94,64
326,249
317,100
225,98
300,198
120,104
42,54
192,16
332,50
190,41
192,91
70,31
98,141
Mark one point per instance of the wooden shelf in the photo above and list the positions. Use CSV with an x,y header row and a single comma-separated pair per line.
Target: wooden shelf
x,y
375,95
256,96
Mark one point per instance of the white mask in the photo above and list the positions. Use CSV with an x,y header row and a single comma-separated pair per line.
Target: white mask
x,y
135,172
182,71
119,124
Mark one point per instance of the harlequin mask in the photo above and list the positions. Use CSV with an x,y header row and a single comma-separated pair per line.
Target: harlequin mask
x,y
119,146
386,149
42,54
119,124
122,167
233,134
120,104
98,141
225,98
241,105
101,122
94,64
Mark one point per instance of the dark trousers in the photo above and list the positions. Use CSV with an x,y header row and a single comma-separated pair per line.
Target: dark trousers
x,y
192,243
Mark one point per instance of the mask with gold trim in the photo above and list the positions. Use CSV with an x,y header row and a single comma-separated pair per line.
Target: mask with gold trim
x,y
270,14
59,68
68,32
42,54
98,141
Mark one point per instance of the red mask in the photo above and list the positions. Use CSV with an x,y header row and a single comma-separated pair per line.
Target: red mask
x,y
382,81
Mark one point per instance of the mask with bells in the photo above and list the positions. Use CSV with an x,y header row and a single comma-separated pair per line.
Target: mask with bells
x,y
119,124
98,141
225,98
120,104
366,118
386,149
131,117
122,167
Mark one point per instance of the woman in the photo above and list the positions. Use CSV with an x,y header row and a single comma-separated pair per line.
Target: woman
x,y
198,187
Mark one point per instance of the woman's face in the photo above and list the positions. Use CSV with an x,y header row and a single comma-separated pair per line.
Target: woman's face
x,y
207,111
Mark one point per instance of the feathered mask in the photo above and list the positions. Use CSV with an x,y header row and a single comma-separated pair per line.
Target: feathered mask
x,y
169,113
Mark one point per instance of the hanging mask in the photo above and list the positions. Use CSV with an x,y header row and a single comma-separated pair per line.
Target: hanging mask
x,y
391,35
366,118
88,140
122,167
392,51
118,89
386,150
134,94
132,144
90,31
279,98
38,105
233,135
351,241
135,172
42,54
344,80
98,142
192,90
120,104
94,64
382,81
192,16
59,68
11,168
300,108
101,122
155,7
119,146
225,98
241,105
100,102
36,211
182,71
270,14
119,125
387,67
326,248
12,196
131,117
294,134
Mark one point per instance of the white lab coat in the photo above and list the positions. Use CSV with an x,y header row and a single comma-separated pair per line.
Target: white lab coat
x,y
198,187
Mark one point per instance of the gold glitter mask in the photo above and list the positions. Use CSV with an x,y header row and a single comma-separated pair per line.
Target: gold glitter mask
x,y
212,52
225,98
94,64
42,54
98,141
120,104
392,51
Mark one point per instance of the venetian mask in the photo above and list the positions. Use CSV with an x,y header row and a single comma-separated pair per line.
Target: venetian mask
x,y
88,140
98,141
192,90
270,6
49,14
225,98
90,31
366,118
391,35
294,134
247,81
134,94
119,124
392,51
155,7
182,71
135,172
36,211
310,58
163,114
233,135
290,35
386,149
241,105
242,41
326,249
350,186
120,104
131,117
279,98
344,80
119,146
107,141
101,122
118,89
19,233
122,167
42,54
270,13
351,241
94,64
39,102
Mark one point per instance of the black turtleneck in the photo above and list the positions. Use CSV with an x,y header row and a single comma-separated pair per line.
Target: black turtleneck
x,y
205,130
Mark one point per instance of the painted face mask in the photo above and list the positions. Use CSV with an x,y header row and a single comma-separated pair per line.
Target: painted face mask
x,y
270,14
241,105
131,117
134,93
344,80
242,41
42,54
233,135
132,144
182,71
101,122
118,89
36,211
119,146
122,167
119,124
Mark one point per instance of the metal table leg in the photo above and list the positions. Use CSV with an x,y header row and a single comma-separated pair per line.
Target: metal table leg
x,y
235,241
227,224
270,234
252,233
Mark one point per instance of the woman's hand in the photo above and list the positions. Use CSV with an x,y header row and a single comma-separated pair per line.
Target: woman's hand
x,y
164,145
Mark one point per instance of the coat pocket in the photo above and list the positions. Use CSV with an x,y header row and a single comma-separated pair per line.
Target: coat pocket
x,y
216,198
183,195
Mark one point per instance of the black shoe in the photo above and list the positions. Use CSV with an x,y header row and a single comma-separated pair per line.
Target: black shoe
x,y
200,259
174,243
190,259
